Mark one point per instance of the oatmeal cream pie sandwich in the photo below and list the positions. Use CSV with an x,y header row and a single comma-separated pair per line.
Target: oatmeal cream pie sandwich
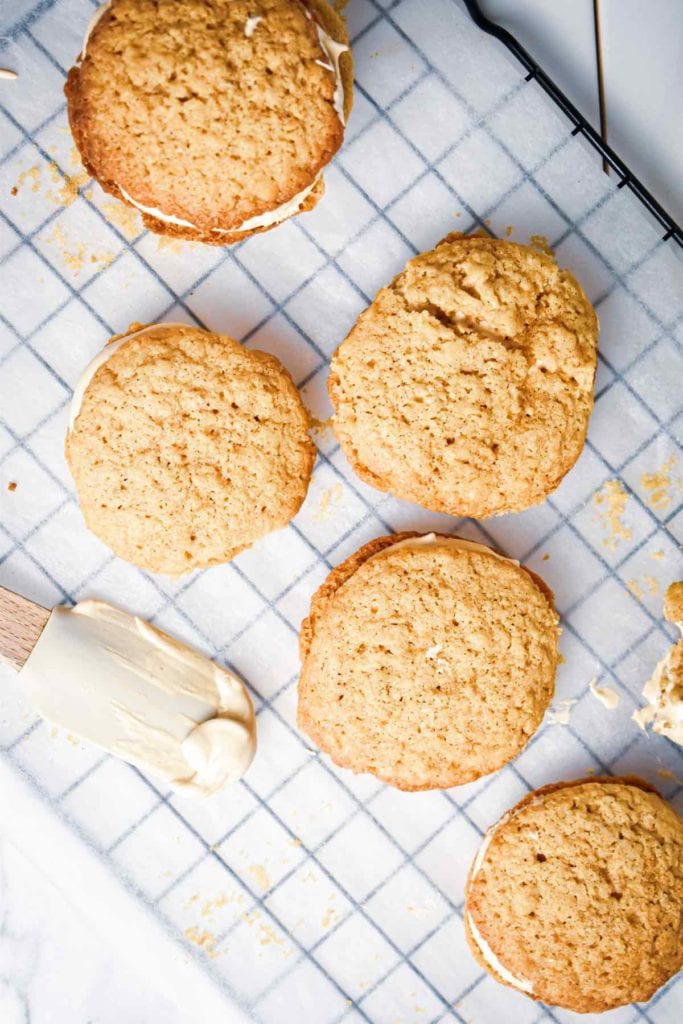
x,y
427,661
575,896
467,385
185,447
214,118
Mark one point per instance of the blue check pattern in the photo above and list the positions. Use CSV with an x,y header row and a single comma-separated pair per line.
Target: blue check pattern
x,y
314,895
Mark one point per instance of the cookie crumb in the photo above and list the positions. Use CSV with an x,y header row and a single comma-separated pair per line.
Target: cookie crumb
x,y
541,244
320,426
331,497
32,176
611,502
204,940
260,875
8,75
657,555
546,556
660,485
12,485
123,217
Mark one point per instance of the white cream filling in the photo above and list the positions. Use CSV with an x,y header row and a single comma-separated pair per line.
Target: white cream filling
x,y
431,540
494,963
487,953
333,51
114,680
100,359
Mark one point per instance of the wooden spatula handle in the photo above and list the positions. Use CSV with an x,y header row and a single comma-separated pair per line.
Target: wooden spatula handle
x,y
21,623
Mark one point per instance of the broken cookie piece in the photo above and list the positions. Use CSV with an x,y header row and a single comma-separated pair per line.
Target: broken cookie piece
x,y
664,690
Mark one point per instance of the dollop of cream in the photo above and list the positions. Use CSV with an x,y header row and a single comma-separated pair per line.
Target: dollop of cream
x,y
114,680
333,51
100,359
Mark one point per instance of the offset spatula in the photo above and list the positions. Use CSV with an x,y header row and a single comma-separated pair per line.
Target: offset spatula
x,y
21,623
113,679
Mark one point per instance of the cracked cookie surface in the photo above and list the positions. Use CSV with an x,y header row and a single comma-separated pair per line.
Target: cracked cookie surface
x,y
427,665
468,383
187,448
575,896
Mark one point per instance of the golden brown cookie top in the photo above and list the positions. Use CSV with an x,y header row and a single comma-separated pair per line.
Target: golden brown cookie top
x,y
576,895
212,113
427,664
467,385
186,448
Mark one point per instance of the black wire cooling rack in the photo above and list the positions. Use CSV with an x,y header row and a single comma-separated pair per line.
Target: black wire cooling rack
x,y
627,179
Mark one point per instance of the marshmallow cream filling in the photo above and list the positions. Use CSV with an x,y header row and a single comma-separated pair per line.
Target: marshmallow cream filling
x,y
333,51
100,359
112,679
430,540
482,945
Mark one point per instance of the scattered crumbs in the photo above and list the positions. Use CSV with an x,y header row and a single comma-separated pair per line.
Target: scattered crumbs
x,y
610,501
251,24
561,713
330,917
54,732
375,53
458,213
605,694
508,230
8,75
166,243
295,841
193,899
591,771
541,244
267,936
320,426
204,940
331,497
69,185
652,584
123,217
638,587
666,773
660,484
77,256
561,660
214,848
260,875
657,555
12,485
30,176
546,556
73,740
